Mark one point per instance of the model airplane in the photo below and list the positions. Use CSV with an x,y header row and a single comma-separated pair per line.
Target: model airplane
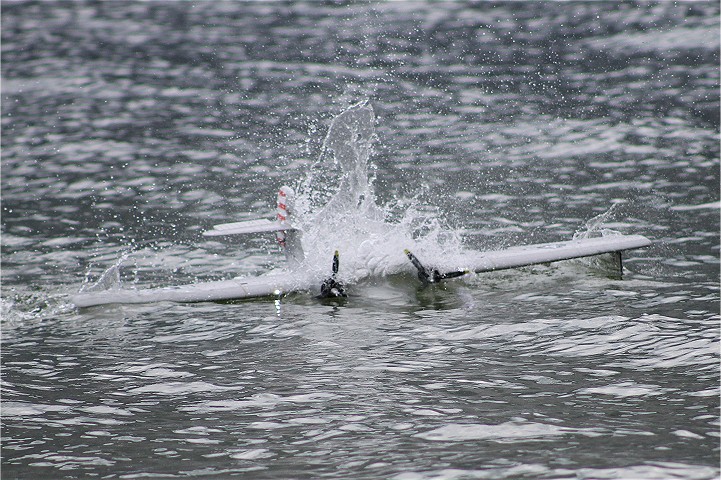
x,y
296,279
349,217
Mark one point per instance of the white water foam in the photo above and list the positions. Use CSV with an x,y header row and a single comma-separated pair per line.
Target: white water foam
x,y
336,209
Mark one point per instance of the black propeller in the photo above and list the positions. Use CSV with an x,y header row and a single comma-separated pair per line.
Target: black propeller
x,y
427,275
332,288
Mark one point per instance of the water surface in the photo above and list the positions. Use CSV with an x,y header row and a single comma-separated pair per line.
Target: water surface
x,y
128,128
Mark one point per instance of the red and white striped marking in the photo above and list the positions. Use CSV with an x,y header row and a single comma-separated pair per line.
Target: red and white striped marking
x,y
285,195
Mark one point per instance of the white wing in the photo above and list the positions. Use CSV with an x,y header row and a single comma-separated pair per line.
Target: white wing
x,y
553,252
250,226
237,288
279,283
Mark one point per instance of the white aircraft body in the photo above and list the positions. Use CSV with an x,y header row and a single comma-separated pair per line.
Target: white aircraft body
x,y
287,281
350,217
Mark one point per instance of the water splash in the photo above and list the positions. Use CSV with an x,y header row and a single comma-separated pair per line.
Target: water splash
x,y
595,226
336,208
108,280
338,181
604,264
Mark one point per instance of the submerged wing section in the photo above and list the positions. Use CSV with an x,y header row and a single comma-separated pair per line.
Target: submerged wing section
x,y
552,252
237,288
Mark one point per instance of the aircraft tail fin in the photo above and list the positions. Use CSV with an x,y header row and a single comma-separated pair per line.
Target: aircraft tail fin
x,y
286,195
287,236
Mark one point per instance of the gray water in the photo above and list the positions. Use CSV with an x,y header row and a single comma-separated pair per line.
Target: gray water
x,y
128,128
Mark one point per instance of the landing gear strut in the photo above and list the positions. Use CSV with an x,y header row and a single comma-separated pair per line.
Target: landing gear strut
x,y
427,275
332,288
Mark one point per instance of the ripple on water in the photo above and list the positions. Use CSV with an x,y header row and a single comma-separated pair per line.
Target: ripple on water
x,y
262,401
510,432
649,341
